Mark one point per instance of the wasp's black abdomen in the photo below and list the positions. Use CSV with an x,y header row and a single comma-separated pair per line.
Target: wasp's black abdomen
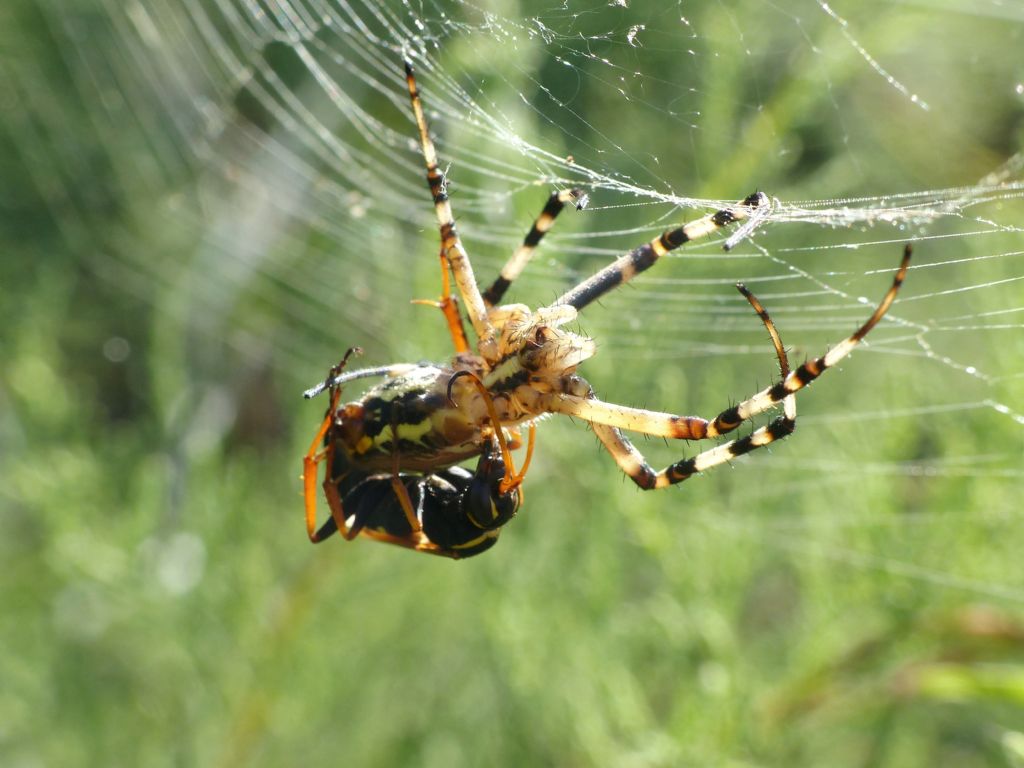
x,y
461,512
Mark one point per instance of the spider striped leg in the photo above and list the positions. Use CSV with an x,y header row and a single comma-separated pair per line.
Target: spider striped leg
x,y
632,462
788,402
628,266
522,255
451,244
608,418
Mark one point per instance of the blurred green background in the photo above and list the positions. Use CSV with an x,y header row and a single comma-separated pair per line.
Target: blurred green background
x,y
194,228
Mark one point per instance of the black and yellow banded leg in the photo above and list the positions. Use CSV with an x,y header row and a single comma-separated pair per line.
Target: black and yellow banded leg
x,y
632,462
522,255
812,369
628,266
788,402
655,423
451,244
607,418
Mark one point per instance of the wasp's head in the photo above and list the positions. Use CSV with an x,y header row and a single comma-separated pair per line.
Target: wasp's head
x,y
350,423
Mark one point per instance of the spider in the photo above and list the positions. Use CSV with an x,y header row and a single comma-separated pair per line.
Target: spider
x,y
391,455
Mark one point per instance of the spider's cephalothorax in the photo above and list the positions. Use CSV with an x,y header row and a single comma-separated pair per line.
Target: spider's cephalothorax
x,y
391,455
430,420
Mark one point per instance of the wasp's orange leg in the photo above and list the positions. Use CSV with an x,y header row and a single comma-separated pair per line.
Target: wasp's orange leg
x,y
400,490
310,466
311,462
310,470
449,306
511,480
415,541
517,481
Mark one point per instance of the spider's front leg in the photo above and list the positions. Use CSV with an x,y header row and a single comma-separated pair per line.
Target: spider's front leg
x,y
632,462
518,261
607,418
451,244
752,209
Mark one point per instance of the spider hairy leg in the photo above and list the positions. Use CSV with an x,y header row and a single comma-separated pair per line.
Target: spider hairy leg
x,y
522,255
789,402
632,462
607,418
629,265
812,369
451,243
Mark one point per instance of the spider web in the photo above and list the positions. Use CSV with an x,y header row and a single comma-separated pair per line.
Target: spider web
x,y
263,162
